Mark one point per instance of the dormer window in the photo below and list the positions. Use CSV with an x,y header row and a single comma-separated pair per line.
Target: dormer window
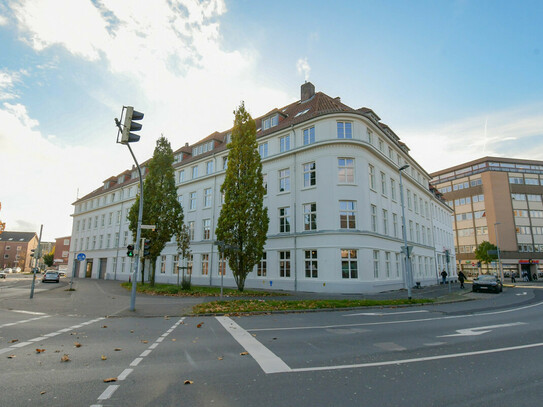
x,y
270,121
106,185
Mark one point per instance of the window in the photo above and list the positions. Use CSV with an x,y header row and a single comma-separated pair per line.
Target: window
x,y
373,218
409,200
344,130
311,266
416,202
162,264
371,170
180,200
349,266
205,264
175,264
207,229
284,180
387,264
309,136
393,189
189,264
108,241
262,266
397,264
310,216
345,170
385,221
347,216
381,145
270,122
192,205
125,238
411,230
225,163
191,230
263,150
207,197
181,176
116,240
284,264
93,242
284,143
96,222
310,174
395,224
370,136
264,183
222,264
102,220
383,184
110,221
195,172
209,167
284,220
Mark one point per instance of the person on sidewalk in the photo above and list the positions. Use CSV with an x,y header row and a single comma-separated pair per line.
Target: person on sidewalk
x,y
443,277
513,275
461,278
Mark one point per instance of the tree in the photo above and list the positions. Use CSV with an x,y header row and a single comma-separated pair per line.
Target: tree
x,y
160,204
243,222
49,258
481,253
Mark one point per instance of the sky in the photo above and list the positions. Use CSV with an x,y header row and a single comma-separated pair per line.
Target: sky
x,y
455,80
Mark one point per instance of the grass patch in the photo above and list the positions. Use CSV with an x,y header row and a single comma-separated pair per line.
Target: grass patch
x,y
197,291
243,306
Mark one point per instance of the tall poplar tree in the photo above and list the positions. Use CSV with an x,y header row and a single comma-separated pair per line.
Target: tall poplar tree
x,y
243,222
160,204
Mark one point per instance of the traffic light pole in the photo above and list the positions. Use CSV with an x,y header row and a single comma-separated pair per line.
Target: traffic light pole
x,y
134,275
36,258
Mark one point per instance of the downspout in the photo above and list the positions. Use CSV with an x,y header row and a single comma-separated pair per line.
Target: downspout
x,y
212,226
295,189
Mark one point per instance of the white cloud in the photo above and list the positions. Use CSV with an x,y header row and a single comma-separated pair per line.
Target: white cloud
x,y
504,133
7,84
303,67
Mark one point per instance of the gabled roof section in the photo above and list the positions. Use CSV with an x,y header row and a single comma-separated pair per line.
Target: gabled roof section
x,y
17,237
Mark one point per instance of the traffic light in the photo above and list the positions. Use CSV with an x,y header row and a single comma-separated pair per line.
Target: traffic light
x,y
130,250
32,252
146,247
130,116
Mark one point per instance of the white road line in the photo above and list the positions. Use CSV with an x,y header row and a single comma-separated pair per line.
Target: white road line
x,y
39,338
24,321
385,313
407,321
268,361
20,345
124,374
108,392
415,360
28,312
160,339
111,389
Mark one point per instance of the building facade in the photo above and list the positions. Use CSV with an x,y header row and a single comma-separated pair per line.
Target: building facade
x,y
15,249
498,200
331,174
62,251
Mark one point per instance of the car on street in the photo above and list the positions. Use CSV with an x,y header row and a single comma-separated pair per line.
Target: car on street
x,y
51,276
487,282
2,274
8,270
62,273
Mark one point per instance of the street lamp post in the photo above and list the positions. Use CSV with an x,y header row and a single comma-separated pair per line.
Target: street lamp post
x,y
500,269
404,235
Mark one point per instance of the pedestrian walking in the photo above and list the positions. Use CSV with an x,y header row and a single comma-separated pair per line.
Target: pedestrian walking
x,y
443,277
461,278
513,275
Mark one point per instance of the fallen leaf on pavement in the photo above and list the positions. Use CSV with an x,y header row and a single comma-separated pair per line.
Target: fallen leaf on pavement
x,y
118,349
244,353
173,340
77,344
40,350
43,392
144,341
220,358
105,326
111,379
65,358
166,317
14,340
188,382
131,331
11,356
199,325
104,357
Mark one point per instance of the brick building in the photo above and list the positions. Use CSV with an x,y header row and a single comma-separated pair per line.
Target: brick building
x,y
15,249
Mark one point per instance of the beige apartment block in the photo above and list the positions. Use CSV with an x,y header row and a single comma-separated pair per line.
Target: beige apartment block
x,y
499,200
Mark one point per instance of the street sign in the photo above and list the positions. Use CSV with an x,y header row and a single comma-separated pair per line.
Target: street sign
x,y
152,227
81,256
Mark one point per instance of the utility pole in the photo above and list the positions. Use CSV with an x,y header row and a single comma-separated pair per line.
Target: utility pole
x,y
36,258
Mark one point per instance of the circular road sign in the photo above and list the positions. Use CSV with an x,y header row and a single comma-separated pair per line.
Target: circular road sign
x,y
81,256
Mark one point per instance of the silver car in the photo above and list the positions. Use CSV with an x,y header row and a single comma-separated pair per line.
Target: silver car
x,y
51,276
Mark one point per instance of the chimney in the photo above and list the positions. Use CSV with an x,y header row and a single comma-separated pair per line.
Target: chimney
x,y
308,91
186,144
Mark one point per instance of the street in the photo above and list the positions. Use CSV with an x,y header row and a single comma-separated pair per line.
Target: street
x,y
471,353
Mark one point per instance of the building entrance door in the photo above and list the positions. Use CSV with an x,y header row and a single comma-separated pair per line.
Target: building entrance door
x,y
88,273
102,269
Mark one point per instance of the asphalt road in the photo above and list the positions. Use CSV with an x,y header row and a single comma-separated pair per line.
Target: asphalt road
x,y
485,352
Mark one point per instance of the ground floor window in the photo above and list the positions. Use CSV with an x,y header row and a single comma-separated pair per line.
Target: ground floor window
x,y
284,264
311,267
262,266
349,263
162,264
189,263
205,264
222,264
376,264
175,264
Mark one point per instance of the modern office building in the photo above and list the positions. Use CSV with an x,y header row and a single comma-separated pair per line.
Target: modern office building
x,y
497,200
333,196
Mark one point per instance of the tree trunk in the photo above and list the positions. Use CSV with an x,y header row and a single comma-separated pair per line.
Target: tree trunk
x,y
153,270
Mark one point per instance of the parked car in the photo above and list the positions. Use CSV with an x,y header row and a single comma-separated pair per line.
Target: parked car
x,y
2,274
487,282
8,270
17,270
62,273
51,276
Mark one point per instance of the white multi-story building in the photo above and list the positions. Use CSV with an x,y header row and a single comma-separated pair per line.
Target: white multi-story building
x,y
333,199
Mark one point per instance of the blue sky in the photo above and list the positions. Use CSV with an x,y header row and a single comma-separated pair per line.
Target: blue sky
x,y
456,80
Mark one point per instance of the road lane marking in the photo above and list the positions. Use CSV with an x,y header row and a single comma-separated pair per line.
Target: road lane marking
x,y
28,312
414,360
391,346
480,330
268,361
24,321
407,321
108,392
112,388
385,313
